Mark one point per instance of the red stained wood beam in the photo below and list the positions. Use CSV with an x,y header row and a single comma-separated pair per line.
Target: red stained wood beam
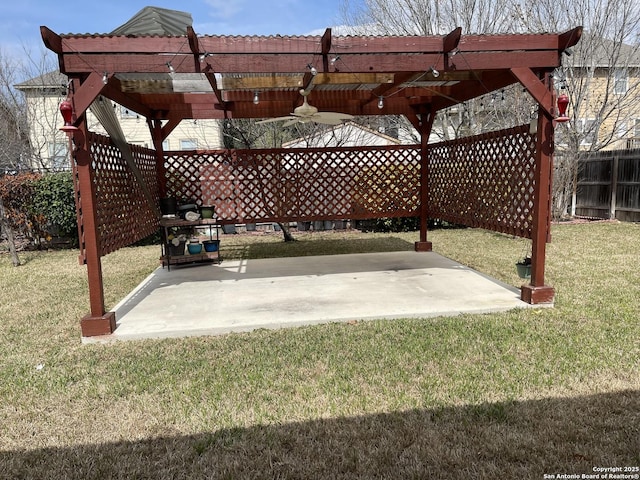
x,y
535,87
295,63
114,92
325,44
51,40
168,127
570,38
83,96
391,88
452,40
307,45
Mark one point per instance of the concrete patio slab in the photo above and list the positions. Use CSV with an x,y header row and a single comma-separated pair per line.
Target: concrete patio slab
x,y
244,295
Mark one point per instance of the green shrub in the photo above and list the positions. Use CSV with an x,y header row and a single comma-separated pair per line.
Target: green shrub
x,y
54,199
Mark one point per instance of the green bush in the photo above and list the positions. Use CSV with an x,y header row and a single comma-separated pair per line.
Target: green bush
x,y
54,199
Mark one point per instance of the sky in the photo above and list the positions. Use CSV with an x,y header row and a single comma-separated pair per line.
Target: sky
x,y
20,20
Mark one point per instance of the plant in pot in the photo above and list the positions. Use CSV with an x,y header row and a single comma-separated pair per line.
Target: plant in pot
x,y
175,243
523,267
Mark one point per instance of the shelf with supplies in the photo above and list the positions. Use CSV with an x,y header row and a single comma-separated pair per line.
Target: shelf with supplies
x,y
178,249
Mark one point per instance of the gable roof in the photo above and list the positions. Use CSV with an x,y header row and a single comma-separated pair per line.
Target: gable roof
x,y
601,52
156,21
339,134
51,79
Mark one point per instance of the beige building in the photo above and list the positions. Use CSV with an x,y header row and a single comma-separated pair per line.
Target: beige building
x,y
49,145
602,80
44,94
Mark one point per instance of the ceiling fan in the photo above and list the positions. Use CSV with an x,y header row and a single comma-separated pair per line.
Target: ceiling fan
x,y
306,113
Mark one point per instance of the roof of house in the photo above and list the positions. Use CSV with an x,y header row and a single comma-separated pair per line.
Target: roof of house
x,y
46,80
602,53
156,21
339,132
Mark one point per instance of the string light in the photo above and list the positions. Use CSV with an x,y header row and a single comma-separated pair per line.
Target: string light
x,y
170,67
312,69
381,102
434,72
335,59
105,78
256,98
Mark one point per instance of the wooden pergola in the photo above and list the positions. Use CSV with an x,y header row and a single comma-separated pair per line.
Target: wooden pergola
x,y
499,181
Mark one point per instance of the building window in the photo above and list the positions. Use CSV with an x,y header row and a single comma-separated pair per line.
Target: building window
x,y
165,145
188,144
620,81
58,159
588,131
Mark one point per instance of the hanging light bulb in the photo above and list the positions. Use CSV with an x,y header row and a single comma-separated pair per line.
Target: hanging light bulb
x,y
434,72
335,59
256,98
170,67
314,70
105,78
381,102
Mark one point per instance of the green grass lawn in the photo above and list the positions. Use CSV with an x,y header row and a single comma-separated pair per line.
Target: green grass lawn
x,y
517,394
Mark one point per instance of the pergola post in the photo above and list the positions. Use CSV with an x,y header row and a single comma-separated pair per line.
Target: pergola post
x,y
97,322
155,127
536,291
425,125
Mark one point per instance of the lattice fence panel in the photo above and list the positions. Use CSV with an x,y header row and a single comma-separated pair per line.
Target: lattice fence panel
x,y
298,184
485,181
123,212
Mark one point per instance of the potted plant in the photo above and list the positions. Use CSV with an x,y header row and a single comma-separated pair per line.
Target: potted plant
x,y
523,267
175,243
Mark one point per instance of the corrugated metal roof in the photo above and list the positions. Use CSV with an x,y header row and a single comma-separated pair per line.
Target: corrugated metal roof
x,y
156,21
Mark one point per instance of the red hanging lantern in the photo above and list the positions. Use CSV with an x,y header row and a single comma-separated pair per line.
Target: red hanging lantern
x,y
563,102
66,109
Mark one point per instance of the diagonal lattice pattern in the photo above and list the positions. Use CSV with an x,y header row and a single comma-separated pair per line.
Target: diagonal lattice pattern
x,y
485,181
298,184
124,215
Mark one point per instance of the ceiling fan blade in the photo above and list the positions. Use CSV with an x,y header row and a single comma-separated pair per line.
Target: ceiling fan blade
x,y
308,113
334,115
277,119
326,121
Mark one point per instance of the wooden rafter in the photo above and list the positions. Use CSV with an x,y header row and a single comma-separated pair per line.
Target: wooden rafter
x,y
234,68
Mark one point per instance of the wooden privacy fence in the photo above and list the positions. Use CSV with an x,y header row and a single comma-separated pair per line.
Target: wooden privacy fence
x,y
608,185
